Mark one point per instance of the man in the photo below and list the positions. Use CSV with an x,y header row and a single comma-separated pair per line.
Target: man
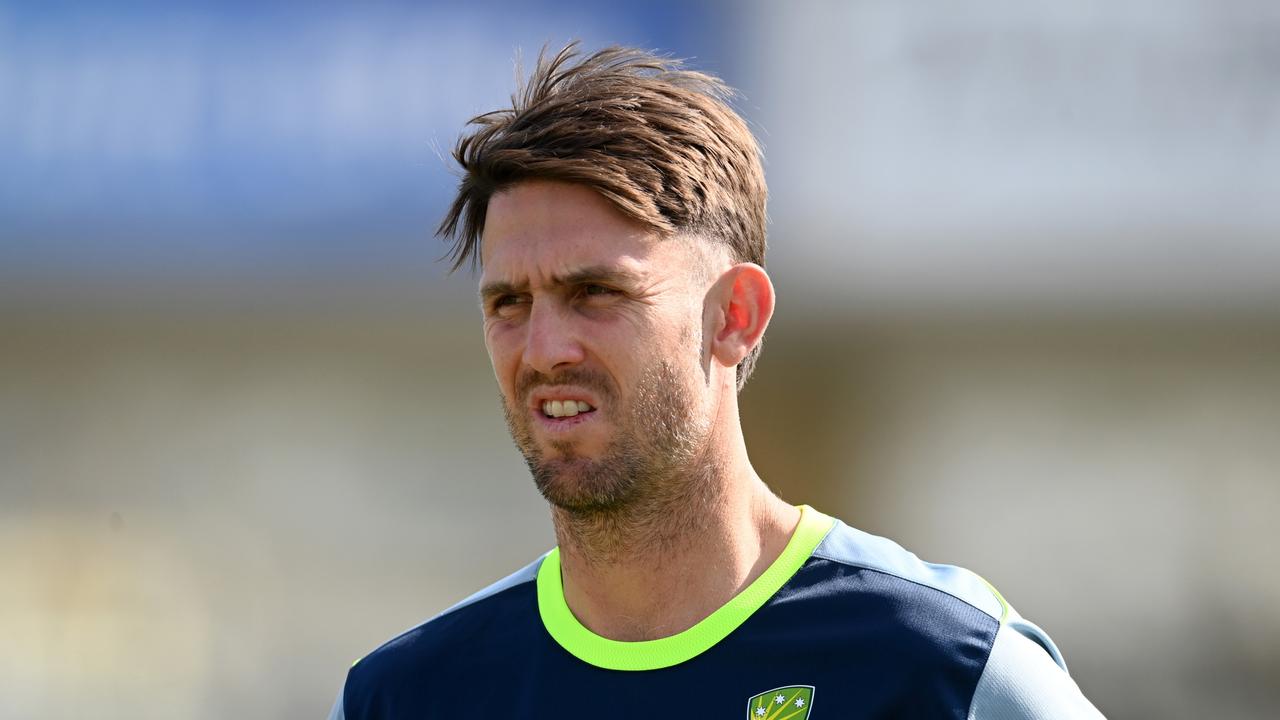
x,y
617,211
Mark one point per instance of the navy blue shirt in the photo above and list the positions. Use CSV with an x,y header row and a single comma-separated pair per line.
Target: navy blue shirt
x,y
843,625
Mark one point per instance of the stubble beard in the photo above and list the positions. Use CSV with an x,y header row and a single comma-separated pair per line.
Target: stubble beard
x,y
649,485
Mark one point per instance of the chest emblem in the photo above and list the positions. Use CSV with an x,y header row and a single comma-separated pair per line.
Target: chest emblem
x,y
785,703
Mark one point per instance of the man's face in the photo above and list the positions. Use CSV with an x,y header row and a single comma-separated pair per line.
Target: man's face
x,y
594,328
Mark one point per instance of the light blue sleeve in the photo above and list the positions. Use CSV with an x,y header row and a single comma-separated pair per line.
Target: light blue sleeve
x,y
1026,679
338,713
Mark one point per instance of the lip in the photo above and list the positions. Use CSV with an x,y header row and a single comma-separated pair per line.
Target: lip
x,y
562,424
562,393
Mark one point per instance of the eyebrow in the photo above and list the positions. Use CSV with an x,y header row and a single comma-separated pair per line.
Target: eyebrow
x,y
606,274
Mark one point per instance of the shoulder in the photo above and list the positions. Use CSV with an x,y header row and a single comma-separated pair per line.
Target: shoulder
x,y
930,615
486,622
932,623
455,621
904,573
1016,670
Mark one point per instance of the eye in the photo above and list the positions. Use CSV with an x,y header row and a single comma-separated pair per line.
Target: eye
x,y
593,289
501,303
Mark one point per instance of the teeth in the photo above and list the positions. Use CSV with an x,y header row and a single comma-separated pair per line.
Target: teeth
x,y
564,408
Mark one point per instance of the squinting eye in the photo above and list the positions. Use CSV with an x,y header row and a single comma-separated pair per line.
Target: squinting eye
x,y
597,290
504,301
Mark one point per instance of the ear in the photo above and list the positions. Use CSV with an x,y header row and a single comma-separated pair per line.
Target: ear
x,y
742,303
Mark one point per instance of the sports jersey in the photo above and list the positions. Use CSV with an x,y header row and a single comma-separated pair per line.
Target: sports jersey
x,y
842,625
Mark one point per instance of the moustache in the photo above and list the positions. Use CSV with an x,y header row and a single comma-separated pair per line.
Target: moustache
x,y
532,379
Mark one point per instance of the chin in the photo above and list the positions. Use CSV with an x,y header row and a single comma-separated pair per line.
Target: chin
x,y
582,485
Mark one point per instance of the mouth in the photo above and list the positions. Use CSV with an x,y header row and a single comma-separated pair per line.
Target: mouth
x,y
563,410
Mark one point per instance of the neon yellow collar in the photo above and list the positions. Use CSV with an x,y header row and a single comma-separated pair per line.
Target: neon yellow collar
x,y
665,652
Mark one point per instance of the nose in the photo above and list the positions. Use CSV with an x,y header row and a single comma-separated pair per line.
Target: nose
x,y
552,342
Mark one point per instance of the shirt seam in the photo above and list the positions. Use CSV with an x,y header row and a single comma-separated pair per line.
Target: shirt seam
x,y
882,571
444,613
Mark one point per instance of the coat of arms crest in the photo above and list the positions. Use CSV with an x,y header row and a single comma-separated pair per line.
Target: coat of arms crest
x,y
785,703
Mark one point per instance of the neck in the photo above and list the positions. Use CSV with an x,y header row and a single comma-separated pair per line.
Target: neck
x,y
663,563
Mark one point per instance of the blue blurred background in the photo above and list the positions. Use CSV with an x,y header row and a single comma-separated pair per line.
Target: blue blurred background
x,y
1028,263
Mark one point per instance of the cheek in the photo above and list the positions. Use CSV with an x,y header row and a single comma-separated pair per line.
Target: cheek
x,y
689,328
503,347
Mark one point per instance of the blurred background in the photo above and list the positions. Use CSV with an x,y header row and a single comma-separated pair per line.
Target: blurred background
x,y
1028,264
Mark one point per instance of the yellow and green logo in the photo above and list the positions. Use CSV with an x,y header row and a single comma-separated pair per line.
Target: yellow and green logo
x,y
785,703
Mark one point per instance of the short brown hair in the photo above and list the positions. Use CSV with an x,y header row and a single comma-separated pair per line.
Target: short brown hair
x,y
659,142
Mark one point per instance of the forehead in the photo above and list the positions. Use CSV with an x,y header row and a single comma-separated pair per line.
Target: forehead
x,y
542,229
